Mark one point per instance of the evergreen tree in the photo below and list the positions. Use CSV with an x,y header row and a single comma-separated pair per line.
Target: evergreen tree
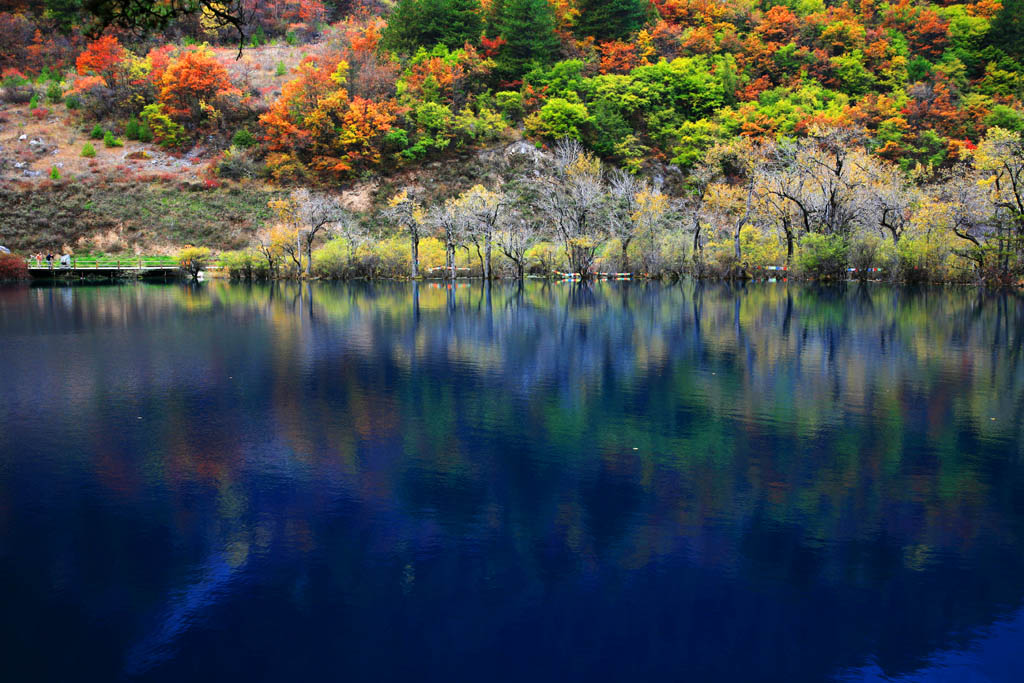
x,y
611,19
1007,32
528,29
426,23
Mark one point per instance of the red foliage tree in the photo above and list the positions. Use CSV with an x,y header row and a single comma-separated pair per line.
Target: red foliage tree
x,y
100,56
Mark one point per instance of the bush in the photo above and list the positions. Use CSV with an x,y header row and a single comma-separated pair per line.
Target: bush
x,y
166,131
558,118
88,151
145,133
72,102
335,260
236,164
33,102
54,173
243,138
54,93
281,69
240,265
510,102
193,260
822,257
543,258
12,268
865,254
18,94
110,141
97,132
131,129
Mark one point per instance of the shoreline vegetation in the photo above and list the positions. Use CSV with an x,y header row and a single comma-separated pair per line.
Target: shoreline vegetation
x,y
298,140
819,208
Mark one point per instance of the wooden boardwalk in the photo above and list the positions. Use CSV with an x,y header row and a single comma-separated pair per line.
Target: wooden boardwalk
x,y
106,268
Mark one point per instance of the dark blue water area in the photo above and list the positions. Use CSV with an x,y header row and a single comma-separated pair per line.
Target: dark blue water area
x,y
614,481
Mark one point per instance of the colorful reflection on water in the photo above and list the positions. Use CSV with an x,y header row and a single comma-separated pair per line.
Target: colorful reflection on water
x,y
540,482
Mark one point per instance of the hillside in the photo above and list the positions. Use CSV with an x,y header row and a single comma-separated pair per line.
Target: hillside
x,y
359,102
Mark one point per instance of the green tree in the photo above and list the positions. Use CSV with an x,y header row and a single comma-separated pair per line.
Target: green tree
x,y
425,23
528,29
1007,32
611,19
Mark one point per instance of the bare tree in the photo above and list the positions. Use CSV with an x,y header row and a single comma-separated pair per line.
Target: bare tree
x,y
888,198
317,213
517,235
404,210
624,188
449,220
572,198
817,174
482,209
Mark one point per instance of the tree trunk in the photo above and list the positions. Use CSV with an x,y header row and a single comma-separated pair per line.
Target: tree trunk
x,y
309,257
487,256
415,257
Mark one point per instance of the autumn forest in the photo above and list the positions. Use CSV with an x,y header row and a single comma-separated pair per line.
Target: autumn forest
x,y
507,138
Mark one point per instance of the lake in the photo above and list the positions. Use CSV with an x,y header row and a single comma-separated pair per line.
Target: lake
x,y
546,482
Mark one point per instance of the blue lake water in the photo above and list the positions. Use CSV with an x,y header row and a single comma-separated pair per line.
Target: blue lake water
x,y
552,482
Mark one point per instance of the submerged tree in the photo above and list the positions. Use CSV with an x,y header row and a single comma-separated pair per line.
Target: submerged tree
x,y
572,198
408,214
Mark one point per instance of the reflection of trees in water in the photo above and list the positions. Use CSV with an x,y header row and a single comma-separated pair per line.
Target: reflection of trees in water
x,y
837,439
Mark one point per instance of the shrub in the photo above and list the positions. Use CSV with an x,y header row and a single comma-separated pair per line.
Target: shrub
x,y
110,141
72,102
510,102
544,257
236,164
822,257
335,260
865,254
243,138
54,93
145,133
18,94
54,173
13,268
241,265
281,69
193,260
40,113
88,151
166,132
131,129
97,132
558,118
33,102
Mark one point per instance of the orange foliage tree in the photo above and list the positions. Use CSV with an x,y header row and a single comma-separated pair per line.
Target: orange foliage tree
x,y
100,56
317,123
191,84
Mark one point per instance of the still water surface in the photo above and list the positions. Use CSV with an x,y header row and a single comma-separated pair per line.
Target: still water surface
x,y
548,483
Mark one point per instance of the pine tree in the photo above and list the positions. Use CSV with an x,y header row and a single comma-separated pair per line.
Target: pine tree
x,y
611,19
528,29
426,23
1007,32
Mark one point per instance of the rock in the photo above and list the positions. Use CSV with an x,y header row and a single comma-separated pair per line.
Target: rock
x,y
23,137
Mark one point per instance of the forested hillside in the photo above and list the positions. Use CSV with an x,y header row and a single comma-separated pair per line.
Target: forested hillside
x,y
761,129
